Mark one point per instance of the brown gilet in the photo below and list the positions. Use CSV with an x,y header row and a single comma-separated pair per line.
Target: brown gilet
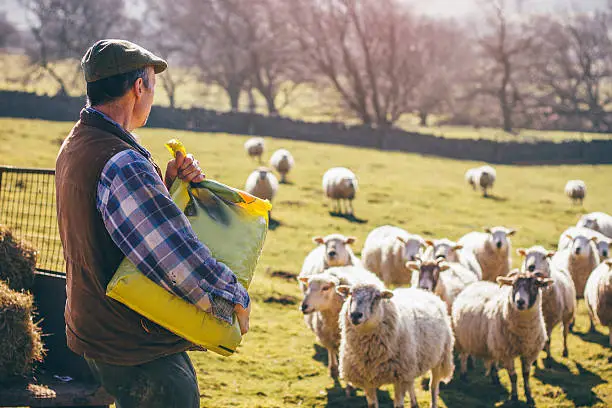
x,y
97,326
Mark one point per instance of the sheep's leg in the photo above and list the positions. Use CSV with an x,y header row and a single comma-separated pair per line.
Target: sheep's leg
x,y
351,207
463,357
526,369
509,366
349,390
434,386
592,328
332,360
413,399
492,372
399,389
371,397
610,336
547,346
565,329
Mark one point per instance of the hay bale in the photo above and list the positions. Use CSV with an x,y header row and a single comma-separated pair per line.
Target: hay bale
x,y
20,337
17,261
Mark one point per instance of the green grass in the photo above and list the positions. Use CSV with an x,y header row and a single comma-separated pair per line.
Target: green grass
x,y
280,363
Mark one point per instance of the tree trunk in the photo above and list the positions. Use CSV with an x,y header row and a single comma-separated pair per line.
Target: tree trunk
x,y
172,99
234,96
271,105
423,118
252,104
63,91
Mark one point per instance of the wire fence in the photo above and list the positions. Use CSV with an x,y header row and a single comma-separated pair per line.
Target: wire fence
x,y
27,207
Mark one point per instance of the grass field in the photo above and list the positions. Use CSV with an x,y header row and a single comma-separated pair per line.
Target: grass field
x,y
280,363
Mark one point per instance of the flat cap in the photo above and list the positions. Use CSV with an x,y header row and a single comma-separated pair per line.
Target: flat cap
x,y
113,57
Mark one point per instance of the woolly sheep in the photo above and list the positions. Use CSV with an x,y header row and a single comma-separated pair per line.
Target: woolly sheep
x,y
491,250
602,242
386,251
559,300
321,305
332,250
339,183
262,183
470,177
255,147
579,259
597,221
444,248
499,324
575,190
445,279
598,297
483,177
392,338
282,161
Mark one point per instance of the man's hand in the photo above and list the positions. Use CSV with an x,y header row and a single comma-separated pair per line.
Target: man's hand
x,y
243,315
184,167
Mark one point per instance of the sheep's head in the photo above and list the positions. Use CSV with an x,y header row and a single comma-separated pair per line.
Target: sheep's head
x,y
412,246
582,246
536,258
603,247
364,303
498,237
590,223
429,272
320,292
337,251
525,287
445,248
263,173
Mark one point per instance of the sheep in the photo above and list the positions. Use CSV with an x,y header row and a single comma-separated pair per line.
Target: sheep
x,y
339,183
559,300
602,242
470,177
332,250
491,251
499,324
386,251
598,297
444,248
576,191
262,183
579,259
282,161
255,147
483,177
321,306
598,221
445,279
393,337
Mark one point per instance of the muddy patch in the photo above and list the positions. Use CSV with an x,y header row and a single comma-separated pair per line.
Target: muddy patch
x,y
282,300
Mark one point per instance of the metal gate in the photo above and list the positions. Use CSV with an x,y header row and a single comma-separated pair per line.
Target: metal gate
x,y
27,207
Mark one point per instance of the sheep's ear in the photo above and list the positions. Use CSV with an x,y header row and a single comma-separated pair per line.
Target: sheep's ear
x,y
343,290
412,266
350,240
522,252
505,280
544,282
457,247
444,267
303,279
550,254
511,232
400,239
429,242
318,240
386,294
609,262
568,236
487,230
594,239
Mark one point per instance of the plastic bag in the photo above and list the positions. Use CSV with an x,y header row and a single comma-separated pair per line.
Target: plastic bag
x,y
233,225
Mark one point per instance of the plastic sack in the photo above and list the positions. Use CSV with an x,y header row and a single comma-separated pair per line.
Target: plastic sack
x,y
233,225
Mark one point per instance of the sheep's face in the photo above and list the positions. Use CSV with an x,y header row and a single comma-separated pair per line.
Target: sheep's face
x,y
536,259
263,175
525,287
364,307
337,252
499,238
603,247
320,293
447,250
590,223
581,247
412,248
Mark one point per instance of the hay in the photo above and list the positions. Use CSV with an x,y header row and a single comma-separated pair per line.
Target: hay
x,y
20,337
17,261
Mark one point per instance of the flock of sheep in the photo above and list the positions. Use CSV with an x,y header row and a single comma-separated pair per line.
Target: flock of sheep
x,y
464,296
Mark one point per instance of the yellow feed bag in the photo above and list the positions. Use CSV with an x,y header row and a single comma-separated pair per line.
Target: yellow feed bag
x,y
233,225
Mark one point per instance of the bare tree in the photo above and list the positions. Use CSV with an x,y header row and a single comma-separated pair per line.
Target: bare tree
x,y
367,50
64,29
8,32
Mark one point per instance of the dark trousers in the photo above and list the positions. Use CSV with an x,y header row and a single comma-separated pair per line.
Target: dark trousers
x,y
168,382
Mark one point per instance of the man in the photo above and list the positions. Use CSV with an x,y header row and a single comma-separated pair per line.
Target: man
x,y
112,202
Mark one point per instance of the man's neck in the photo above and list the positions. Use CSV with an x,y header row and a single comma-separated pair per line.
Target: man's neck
x,y
117,113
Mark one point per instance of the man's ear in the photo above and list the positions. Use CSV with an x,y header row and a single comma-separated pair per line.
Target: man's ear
x,y
318,240
343,290
386,294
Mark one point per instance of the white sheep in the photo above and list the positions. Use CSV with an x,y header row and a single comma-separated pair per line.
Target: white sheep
x,y
262,183
499,324
483,177
445,279
386,251
602,242
575,190
491,249
392,338
339,183
442,248
579,259
598,297
597,221
332,250
282,161
558,300
255,147
470,177
321,305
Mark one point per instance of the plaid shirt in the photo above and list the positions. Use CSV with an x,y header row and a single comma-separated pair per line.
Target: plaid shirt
x,y
155,235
